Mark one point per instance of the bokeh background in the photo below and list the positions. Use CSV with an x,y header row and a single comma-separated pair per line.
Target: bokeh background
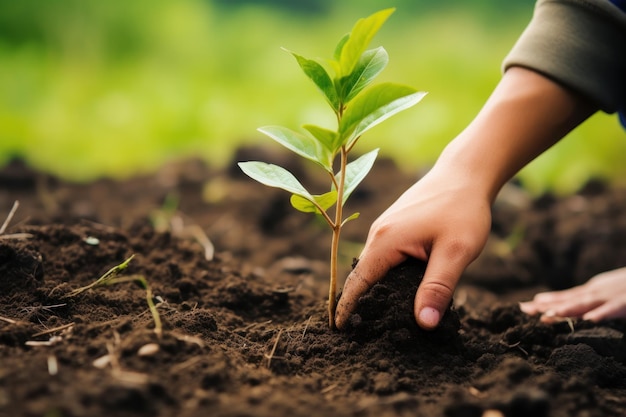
x,y
92,88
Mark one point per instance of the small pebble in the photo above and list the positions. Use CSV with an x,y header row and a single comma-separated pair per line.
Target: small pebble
x,y
148,350
102,362
90,240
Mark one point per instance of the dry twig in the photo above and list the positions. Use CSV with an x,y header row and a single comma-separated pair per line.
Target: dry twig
x,y
16,204
271,355
8,320
3,228
63,327
514,345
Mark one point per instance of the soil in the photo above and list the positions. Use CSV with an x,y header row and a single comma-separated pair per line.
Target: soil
x,y
239,280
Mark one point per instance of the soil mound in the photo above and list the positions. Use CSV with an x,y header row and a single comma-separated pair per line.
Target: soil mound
x,y
241,300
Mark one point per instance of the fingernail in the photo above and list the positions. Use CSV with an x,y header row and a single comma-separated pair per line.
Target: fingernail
x,y
549,313
428,318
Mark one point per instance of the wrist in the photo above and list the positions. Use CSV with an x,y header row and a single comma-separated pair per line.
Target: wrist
x,y
465,167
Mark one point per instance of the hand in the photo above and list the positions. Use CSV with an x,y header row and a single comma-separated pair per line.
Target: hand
x,y
445,218
442,220
602,297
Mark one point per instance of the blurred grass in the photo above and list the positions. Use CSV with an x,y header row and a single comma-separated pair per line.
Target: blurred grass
x,y
115,88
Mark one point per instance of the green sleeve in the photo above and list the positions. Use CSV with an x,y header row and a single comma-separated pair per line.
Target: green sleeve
x,y
580,44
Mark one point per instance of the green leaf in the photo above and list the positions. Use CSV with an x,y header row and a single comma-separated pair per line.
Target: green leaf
x,y
353,216
274,176
303,145
325,201
356,172
374,106
360,37
328,138
340,46
316,72
372,62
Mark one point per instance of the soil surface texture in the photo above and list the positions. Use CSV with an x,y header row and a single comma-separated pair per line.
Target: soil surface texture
x,y
239,280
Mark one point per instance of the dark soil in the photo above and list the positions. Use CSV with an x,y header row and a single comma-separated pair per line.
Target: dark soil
x,y
245,330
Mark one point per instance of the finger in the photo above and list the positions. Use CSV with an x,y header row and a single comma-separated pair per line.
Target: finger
x,y
574,306
529,307
370,268
435,292
551,297
552,300
614,309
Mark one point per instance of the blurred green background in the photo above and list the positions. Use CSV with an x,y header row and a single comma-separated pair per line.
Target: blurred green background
x,y
92,88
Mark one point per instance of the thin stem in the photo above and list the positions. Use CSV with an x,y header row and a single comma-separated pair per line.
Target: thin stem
x,y
333,180
104,278
324,215
158,326
353,143
16,204
334,249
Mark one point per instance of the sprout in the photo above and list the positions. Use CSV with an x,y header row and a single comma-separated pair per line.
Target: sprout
x,y
357,110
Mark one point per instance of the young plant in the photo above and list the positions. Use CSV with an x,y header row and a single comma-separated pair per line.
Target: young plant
x,y
357,110
111,277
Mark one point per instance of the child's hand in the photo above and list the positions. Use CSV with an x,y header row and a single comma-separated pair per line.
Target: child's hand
x,y
602,297
441,220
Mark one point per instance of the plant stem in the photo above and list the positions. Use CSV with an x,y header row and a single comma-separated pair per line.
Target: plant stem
x,y
158,326
334,248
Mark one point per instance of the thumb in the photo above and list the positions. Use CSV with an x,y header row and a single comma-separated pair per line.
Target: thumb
x,y
436,289
370,268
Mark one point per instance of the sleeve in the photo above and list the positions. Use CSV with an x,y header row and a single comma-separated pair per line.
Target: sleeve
x,y
579,44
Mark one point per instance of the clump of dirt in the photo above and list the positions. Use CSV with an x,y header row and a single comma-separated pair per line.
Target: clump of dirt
x,y
245,331
386,313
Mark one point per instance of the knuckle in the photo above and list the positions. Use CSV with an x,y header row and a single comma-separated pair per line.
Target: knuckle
x,y
461,249
438,291
380,228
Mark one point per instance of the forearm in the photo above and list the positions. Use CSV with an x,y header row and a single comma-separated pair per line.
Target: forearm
x,y
525,115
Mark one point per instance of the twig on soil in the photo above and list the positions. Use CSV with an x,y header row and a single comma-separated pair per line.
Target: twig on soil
x,y
55,329
110,277
16,236
329,388
50,342
16,204
514,345
568,320
167,218
49,308
200,236
3,228
271,355
306,327
8,320
65,330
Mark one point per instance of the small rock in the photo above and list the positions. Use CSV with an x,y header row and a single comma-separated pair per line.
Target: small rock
x,y
148,350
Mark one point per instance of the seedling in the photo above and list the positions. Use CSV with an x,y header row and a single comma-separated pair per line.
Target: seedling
x,y
111,277
357,110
